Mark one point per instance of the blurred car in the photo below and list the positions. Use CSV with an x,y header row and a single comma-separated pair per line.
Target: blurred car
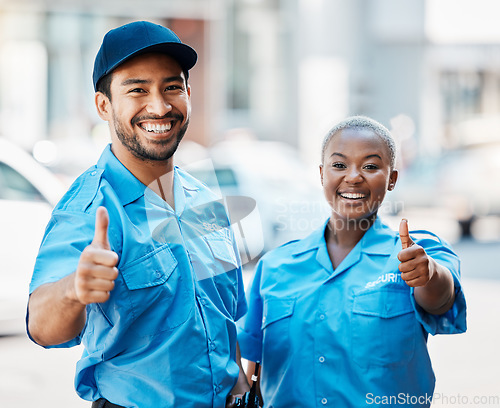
x,y
289,199
28,192
462,182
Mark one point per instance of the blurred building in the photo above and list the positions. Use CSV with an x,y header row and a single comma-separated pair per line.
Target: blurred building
x,y
286,69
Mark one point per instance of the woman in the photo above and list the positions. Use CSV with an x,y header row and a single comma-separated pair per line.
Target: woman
x,y
341,317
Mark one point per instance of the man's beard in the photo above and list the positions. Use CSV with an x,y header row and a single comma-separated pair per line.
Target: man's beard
x,y
133,144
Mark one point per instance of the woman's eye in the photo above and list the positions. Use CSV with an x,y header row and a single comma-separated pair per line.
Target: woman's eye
x,y
371,167
339,165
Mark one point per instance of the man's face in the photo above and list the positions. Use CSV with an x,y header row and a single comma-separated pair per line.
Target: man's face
x,y
150,106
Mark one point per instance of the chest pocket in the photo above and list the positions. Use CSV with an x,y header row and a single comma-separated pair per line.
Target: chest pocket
x,y
383,328
276,334
157,291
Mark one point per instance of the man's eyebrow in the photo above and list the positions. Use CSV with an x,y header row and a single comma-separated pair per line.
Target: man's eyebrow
x,y
135,81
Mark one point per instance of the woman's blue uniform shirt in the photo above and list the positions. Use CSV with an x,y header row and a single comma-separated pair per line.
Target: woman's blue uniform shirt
x,y
345,337
166,337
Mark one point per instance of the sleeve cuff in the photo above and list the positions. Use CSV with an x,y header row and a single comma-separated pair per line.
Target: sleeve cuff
x,y
250,346
452,322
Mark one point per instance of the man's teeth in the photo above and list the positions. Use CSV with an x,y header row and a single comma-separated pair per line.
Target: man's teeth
x,y
156,128
352,195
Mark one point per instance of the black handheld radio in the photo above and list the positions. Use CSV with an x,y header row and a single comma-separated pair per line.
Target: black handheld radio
x,y
251,399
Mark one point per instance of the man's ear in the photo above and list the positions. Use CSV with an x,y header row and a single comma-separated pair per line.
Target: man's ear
x,y
103,105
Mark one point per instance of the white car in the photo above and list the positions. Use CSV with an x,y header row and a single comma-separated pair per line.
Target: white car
x,y
28,192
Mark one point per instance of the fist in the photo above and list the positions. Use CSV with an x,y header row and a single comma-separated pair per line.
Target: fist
x,y
415,263
96,272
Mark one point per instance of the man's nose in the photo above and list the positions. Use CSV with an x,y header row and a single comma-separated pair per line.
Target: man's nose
x,y
158,105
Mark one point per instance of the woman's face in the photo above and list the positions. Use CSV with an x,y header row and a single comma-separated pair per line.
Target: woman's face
x,y
356,173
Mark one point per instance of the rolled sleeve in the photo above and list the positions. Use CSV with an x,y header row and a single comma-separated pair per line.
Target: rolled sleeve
x,y
66,236
454,320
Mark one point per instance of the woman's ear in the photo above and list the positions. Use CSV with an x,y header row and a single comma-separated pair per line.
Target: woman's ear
x,y
321,173
392,180
103,105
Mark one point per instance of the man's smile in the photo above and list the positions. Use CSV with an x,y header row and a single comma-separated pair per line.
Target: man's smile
x,y
158,128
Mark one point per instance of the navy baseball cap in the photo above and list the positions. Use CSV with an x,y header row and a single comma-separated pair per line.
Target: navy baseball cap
x,y
139,37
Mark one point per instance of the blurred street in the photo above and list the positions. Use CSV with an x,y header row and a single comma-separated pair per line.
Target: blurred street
x,y
427,70
467,366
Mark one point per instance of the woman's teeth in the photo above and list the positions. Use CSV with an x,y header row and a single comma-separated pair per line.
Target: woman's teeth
x,y
352,196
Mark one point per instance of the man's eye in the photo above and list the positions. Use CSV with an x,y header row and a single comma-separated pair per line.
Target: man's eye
x,y
172,88
136,90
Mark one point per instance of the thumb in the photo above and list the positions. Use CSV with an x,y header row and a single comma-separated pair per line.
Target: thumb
x,y
101,229
404,235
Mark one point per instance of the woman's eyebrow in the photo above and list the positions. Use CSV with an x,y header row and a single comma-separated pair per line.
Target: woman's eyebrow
x,y
370,156
338,154
373,155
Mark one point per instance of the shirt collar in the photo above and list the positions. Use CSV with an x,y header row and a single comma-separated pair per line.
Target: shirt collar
x,y
186,180
378,240
126,185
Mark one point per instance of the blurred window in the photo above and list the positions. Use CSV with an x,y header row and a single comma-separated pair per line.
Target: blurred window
x,y
461,93
221,177
226,178
14,186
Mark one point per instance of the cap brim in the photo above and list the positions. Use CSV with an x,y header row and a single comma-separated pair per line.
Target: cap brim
x,y
182,53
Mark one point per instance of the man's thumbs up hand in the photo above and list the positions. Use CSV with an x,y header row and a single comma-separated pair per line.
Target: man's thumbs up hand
x,y
96,271
415,263
101,229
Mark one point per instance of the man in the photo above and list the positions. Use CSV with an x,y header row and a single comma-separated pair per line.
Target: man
x,y
147,278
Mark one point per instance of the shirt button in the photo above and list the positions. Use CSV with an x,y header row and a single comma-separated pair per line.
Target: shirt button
x,y
324,401
321,317
93,173
217,388
212,346
321,359
158,274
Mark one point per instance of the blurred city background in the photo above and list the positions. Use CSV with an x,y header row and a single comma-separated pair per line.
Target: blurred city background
x,y
271,78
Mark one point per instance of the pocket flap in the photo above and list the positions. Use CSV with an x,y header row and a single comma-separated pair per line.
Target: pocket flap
x,y
152,269
276,309
221,248
384,303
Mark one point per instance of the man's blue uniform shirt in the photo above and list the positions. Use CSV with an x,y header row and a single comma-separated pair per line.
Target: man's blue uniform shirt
x,y
346,337
166,337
